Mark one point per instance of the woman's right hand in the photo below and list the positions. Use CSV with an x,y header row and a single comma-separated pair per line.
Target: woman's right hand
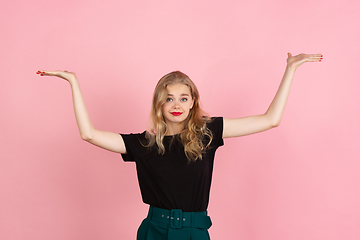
x,y
107,140
68,76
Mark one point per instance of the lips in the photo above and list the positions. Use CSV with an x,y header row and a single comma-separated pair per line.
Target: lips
x,y
176,113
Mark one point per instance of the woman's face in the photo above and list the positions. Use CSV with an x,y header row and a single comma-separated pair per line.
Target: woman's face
x,y
177,106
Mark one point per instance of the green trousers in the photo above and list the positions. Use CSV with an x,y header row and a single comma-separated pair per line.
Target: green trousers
x,y
162,224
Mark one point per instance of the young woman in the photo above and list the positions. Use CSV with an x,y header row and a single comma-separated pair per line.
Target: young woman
x,y
174,160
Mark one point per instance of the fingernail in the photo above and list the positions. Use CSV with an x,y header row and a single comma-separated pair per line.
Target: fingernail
x,y
41,74
37,72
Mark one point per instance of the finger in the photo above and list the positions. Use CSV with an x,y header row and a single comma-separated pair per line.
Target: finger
x,y
319,55
289,55
315,57
41,72
46,73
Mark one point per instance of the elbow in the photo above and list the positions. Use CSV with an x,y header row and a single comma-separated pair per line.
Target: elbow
x,y
273,120
275,123
86,137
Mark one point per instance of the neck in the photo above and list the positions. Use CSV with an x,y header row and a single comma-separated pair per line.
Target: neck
x,y
174,129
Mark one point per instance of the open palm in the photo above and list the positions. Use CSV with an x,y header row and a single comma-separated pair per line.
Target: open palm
x,y
296,61
68,76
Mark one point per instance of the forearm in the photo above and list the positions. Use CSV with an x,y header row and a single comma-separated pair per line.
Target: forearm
x,y
82,117
248,125
277,106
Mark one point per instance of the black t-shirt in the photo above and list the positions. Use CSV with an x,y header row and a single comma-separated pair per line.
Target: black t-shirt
x,y
170,181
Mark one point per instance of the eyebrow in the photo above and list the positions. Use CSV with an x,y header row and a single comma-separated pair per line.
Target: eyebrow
x,y
183,94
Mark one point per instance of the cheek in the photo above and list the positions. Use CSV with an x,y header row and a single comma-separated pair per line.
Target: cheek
x,y
166,106
189,105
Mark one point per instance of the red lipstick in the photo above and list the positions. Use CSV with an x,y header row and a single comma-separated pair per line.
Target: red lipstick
x,y
176,113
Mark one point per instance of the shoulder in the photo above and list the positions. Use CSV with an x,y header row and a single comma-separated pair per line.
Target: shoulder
x,y
215,126
133,134
133,138
215,123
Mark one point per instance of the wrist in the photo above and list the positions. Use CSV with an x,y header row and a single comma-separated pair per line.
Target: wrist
x,y
73,81
290,68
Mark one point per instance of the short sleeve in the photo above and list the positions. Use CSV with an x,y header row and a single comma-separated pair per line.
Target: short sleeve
x,y
216,127
133,146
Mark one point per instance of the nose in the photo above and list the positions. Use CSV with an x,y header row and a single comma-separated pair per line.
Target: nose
x,y
176,104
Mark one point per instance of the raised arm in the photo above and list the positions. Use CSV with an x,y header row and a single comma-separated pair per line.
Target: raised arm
x,y
107,140
237,127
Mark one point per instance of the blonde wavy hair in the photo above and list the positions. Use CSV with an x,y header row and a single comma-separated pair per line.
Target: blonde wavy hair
x,y
195,130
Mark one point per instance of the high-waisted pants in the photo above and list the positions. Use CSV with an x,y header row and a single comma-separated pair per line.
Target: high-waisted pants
x,y
162,224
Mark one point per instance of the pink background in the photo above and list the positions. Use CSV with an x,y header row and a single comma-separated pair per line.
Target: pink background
x,y
298,181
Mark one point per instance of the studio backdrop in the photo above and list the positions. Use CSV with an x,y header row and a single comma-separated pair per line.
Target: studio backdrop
x,y
297,181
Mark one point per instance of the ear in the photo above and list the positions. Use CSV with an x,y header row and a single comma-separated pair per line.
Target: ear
x,y
192,103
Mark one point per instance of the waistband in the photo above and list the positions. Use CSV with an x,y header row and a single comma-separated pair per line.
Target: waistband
x,y
176,218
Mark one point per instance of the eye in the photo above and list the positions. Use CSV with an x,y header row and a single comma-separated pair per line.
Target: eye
x,y
169,99
183,99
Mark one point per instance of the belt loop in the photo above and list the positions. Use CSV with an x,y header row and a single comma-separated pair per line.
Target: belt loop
x,y
192,219
176,218
150,213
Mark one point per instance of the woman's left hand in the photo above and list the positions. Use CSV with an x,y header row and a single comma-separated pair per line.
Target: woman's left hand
x,y
295,61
